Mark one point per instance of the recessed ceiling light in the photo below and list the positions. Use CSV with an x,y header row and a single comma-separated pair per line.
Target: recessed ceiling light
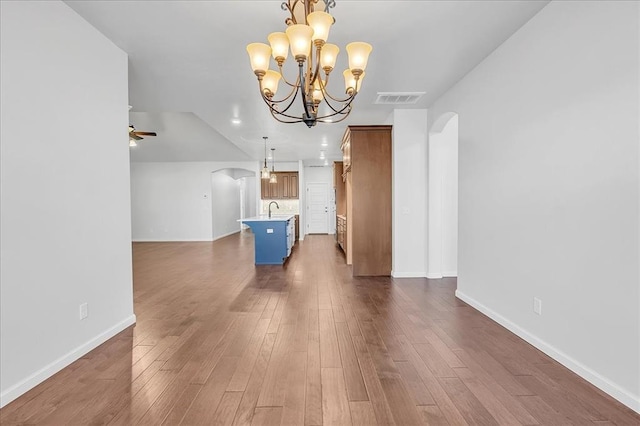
x,y
236,121
324,144
326,163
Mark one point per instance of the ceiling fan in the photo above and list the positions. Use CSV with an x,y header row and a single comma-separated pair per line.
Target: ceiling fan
x,y
135,135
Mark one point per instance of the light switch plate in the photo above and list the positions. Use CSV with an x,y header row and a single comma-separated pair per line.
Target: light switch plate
x,y
537,306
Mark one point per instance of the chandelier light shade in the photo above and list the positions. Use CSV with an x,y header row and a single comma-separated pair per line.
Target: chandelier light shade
x,y
306,37
264,173
274,177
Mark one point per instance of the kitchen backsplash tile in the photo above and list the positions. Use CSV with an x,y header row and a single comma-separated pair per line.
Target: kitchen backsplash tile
x,y
286,206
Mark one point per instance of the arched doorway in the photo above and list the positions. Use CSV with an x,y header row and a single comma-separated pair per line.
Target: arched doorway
x,y
442,259
233,197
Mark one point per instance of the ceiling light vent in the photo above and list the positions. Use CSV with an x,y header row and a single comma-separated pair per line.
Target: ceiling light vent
x,y
398,98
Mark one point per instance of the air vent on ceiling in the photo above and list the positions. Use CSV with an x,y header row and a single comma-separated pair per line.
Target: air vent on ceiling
x,y
398,98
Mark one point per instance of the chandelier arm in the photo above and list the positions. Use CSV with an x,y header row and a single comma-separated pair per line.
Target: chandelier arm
x,y
285,121
293,91
272,105
329,4
342,118
343,115
344,103
326,94
276,114
282,113
285,80
286,5
340,110
341,101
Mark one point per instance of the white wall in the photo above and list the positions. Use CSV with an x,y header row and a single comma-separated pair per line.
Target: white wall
x,y
323,175
225,204
409,192
249,197
443,198
65,227
172,201
549,188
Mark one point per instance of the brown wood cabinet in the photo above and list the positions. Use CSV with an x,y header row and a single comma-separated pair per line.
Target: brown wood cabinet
x,y
285,189
368,199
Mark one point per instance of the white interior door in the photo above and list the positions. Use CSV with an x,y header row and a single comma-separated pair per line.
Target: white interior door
x,y
317,208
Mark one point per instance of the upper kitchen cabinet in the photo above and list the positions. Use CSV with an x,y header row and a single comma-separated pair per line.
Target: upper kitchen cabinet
x,y
368,199
289,185
285,189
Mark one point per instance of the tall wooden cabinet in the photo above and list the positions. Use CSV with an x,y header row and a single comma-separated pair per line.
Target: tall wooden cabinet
x,y
367,167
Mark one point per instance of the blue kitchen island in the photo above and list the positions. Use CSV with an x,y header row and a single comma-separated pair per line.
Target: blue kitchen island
x,y
274,237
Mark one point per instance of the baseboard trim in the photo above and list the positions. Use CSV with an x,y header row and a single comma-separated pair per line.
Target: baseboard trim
x,y
226,235
433,276
421,274
581,370
450,274
49,370
160,240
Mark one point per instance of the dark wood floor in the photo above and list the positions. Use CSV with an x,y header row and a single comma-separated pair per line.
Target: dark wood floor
x,y
219,341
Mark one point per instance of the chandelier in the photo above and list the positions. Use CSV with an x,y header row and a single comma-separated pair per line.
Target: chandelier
x,y
306,34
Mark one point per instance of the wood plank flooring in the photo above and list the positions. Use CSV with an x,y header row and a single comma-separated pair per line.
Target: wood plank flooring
x,y
221,342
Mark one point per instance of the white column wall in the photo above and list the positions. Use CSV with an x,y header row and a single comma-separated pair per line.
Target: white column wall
x,y
549,188
450,198
409,193
443,201
65,230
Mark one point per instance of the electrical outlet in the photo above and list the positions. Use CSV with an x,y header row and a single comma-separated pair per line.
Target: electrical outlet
x,y
537,306
83,311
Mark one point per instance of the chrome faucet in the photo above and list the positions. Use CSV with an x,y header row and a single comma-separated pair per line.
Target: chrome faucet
x,y
277,206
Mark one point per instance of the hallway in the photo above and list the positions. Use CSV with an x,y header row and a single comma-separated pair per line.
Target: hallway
x,y
220,341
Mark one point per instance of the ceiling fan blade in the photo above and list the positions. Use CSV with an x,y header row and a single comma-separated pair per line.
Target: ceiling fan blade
x,y
133,136
145,133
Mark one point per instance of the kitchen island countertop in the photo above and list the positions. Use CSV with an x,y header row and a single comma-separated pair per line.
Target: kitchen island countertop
x,y
265,218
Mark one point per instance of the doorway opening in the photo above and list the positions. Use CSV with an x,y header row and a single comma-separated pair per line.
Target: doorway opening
x,y
233,197
317,208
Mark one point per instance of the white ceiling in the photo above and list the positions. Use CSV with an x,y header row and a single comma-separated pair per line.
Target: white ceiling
x,y
189,72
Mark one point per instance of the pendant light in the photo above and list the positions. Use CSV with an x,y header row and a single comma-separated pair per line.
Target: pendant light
x,y
273,178
264,174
